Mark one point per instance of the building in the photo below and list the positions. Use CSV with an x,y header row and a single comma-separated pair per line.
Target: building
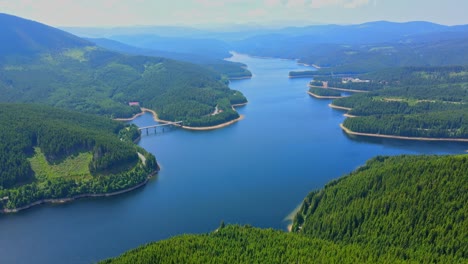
x,y
353,80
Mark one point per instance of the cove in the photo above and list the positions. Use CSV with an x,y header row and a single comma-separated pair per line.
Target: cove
x,y
255,171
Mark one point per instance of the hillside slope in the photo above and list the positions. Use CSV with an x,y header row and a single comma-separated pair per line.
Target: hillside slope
x,y
232,70
405,209
78,75
25,37
414,203
50,153
428,102
365,47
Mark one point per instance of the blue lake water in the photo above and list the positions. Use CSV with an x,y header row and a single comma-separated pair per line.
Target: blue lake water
x,y
253,172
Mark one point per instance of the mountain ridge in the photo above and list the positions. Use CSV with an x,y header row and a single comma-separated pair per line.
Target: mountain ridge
x,y
34,37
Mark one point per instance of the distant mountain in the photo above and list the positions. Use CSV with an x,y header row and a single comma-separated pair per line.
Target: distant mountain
x,y
53,67
365,47
349,48
164,31
207,47
25,37
352,48
372,32
230,69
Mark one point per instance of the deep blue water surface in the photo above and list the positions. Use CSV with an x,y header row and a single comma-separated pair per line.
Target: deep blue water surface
x,y
253,172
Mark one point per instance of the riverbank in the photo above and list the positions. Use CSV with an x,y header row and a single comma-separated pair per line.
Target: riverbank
x,y
339,107
81,196
240,78
300,76
157,119
338,89
129,118
350,132
323,97
214,127
308,65
291,216
239,105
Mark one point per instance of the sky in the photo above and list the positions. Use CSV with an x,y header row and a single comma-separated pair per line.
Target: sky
x,y
111,13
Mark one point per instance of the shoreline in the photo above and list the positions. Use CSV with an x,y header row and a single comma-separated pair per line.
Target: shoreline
x,y
298,61
339,107
80,196
157,119
214,127
239,105
323,97
240,78
339,89
290,217
129,118
155,115
300,76
350,132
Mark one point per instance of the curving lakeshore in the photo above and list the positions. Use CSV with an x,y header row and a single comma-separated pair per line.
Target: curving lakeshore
x,y
240,78
157,119
323,97
76,197
254,172
339,107
353,133
350,132
338,89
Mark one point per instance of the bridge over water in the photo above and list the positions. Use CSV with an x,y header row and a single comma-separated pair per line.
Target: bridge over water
x,y
168,124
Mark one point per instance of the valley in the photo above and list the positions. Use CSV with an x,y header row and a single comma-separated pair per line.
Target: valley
x,y
123,144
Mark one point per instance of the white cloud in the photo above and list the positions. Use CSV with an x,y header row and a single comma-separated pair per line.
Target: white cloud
x,y
272,3
210,3
356,3
296,3
256,13
190,12
339,3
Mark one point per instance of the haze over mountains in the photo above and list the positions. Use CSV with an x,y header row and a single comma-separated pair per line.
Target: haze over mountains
x,y
363,47
26,37
393,209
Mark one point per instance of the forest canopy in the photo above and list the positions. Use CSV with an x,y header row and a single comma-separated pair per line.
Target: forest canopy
x,y
391,210
427,102
53,153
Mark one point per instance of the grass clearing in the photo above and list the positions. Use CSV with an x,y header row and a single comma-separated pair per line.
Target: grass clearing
x,y
76,54
74,167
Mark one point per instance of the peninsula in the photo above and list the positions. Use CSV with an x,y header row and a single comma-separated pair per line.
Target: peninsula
x,y
60,156
414,103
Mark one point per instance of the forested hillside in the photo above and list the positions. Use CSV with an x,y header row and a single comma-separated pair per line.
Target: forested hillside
x,y
406,209
365,47
86,78
22,38
416,204
53,153
232,70
413,102
245,244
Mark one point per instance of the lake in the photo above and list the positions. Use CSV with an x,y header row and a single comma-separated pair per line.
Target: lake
x,y
253,172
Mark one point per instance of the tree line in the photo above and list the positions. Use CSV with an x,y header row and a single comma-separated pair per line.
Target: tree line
x,y
97,81
414,102
391,210
60,134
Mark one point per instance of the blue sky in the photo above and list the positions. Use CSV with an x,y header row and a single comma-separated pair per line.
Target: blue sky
x,y
213,12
